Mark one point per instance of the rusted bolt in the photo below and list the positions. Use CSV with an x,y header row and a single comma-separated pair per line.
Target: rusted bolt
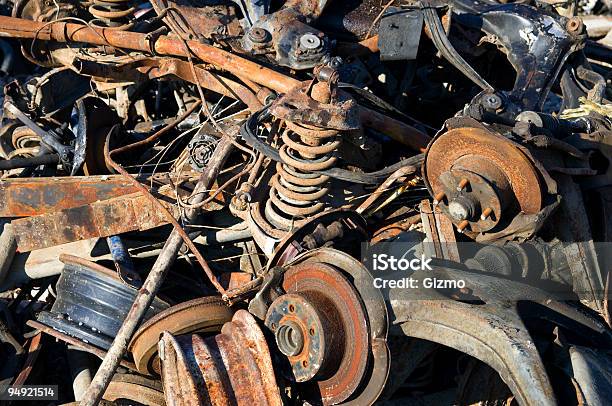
x,y
438,198
486,213
258,34
310,41
574,25
462,184
462,226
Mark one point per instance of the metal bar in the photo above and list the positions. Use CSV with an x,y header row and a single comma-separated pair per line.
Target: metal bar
x,y
17,163
99,219
35,196
152,283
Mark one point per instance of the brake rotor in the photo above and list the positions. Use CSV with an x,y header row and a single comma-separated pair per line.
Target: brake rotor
x,y
321,326
481,179
128,389
202,315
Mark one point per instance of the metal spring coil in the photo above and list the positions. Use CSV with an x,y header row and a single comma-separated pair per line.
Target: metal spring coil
x,y
296,188
111,13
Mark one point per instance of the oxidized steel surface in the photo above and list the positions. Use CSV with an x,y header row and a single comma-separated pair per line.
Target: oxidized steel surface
x,y
202,315
374,380
167,45
233,367
169,86
34,196
190,20
98,219
334,325
135,389
481,180
467,144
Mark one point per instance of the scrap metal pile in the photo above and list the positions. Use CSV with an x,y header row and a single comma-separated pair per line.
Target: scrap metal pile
x,y
191,191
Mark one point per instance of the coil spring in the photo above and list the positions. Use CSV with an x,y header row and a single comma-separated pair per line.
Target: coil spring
x,y
296,189
111,13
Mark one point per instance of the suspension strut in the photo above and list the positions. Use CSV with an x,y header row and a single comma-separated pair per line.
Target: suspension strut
x,y
314,116
111,13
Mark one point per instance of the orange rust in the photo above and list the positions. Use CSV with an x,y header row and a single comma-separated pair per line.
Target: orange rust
x,y
166,45
463,183
34,196
233,367
204,315
486,213
98,219
476,146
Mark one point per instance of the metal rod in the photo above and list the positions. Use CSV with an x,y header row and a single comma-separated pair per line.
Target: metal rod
x,y
163,45
34,161
152,283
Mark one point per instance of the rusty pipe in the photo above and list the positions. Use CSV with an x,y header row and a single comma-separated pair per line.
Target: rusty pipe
x,y
165,45
162,45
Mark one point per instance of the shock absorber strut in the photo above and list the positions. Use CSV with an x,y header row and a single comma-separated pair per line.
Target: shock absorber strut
x,y
111,13
314,117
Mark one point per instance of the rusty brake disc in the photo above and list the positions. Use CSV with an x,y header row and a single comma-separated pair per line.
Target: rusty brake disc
x,y
480,177
334,341
202,315
128,389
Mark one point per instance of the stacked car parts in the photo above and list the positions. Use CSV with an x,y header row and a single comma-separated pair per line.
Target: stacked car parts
x,y
199,200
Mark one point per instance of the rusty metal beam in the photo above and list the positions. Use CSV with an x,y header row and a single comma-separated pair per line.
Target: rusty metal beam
x,y
98,219
164,45
34,196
